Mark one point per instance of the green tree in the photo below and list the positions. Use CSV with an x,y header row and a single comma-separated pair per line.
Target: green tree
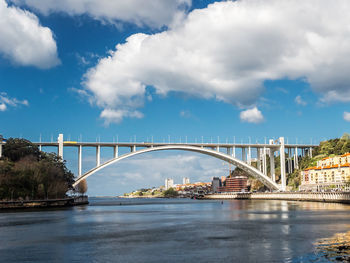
x,y
15,149
171,192
27,173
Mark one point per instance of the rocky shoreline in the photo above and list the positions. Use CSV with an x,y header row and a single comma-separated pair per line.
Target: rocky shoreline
x,y
49,203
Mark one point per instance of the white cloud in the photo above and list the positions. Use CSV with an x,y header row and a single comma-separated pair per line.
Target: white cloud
x,y
116,116
298,100
346,116
23,40
252,116
154,13
3,107
227,50
6,101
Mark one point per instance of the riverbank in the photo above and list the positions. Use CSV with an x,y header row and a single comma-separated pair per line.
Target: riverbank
x,y
331,197
50,203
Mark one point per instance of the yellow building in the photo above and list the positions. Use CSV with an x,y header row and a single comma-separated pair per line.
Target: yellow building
x,y
329,173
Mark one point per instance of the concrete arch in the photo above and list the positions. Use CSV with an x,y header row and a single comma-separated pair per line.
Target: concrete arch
x,y
222,156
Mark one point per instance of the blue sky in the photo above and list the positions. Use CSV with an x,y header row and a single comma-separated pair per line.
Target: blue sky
x,y
181,68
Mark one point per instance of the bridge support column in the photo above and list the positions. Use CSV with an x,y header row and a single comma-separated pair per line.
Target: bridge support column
x,y
272,163
80,160
283,164
133,149
0,150
60,145
258,158
244,156
264,162
234,152
249,156
115,151
98,155
296,165
310,152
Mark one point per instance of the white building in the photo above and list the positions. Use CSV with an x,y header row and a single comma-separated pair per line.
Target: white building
x,y
169,182
185,180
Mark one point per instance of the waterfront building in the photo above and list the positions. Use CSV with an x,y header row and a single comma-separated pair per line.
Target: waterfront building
x,y
235,184
329,173
215,184
185,180
169,183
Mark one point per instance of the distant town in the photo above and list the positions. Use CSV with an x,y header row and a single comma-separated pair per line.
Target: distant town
x,y
327,171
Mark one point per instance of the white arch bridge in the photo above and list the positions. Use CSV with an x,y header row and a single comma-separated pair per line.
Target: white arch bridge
x,y
217,150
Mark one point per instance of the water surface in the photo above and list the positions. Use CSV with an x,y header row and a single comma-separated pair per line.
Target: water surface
x,y
174,230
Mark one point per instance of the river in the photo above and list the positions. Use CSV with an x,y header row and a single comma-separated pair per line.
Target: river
x,y
175,230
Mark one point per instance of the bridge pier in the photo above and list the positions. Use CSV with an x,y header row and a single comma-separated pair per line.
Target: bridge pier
x,y
80,149
264,161
283,164
60,145
244,156
98,155
258,159
296,165
115,153
272,163
234,152
0,150
249,156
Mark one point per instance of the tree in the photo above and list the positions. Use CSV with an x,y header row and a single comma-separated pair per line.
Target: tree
x,y
27,173
171,192
15,149
82,187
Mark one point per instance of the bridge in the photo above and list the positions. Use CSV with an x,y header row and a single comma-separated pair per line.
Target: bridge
x,y
229,152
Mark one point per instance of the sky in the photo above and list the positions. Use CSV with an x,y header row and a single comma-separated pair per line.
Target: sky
x,y
179,69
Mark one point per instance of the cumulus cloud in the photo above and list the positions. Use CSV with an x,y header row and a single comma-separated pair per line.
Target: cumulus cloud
x,y
6,101
23,40
3,107
346,116
252,116
116,116
298,100
154,13
227,50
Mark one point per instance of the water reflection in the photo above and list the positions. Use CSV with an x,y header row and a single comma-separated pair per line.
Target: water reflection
x,y
157,230
335,248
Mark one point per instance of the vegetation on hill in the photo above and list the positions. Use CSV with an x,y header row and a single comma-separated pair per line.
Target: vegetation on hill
x,y
327,148
171,192
28,173
145,192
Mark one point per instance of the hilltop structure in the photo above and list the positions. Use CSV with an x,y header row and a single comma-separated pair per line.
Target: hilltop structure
x,y
185,180
169,183
329,173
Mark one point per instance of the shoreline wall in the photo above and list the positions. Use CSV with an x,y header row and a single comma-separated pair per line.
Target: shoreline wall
x,y
64,202
292,196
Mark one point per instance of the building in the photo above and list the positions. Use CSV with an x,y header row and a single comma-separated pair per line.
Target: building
x,y
235,184
169,183
185,180
215,184
329,173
